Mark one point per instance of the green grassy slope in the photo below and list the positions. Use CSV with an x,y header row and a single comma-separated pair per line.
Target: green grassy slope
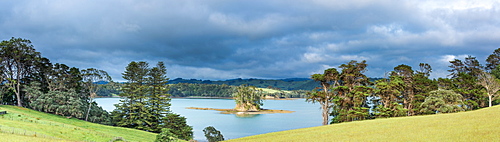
x,y
21,124
479,125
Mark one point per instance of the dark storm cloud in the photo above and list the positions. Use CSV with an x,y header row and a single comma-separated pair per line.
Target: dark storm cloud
x,y
225,39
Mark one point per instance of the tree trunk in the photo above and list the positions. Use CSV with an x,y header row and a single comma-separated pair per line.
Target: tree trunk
x,y
325,113
88,110
325,105
18,92
489,97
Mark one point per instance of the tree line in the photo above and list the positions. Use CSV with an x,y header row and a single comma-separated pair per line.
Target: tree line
x,y
349,95
29,80
199,90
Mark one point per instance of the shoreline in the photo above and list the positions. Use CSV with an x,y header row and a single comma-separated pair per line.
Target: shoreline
x,y
198,97
234,111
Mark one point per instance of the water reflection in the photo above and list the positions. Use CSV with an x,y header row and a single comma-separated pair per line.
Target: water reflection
x,y
245,115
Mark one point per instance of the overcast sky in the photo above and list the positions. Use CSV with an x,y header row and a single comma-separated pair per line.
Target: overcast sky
x,y
226,39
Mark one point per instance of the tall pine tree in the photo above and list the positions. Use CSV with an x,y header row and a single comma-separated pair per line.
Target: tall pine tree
x,y
146,103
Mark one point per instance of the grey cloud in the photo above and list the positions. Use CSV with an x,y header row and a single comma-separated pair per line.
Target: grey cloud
x,y
273,39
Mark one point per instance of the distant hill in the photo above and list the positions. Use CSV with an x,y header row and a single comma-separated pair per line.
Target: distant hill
x,y
283,84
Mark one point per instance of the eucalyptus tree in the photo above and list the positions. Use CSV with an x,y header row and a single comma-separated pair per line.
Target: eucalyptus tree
x,y
17,60
490,84
324,96
89,77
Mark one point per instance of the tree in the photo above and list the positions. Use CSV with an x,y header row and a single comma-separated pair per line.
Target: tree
x,y
89,77
350,102
464,77
158,102
178,126
405,72
388,93
328,80
443,101
491,84
146,103
248,98
17,60
212,134
166,135
132,109
493,60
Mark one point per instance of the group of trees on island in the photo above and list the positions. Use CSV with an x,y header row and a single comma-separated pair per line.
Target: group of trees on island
x,y
348,95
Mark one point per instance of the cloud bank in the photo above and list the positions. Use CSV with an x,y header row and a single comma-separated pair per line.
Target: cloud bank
x,y
225,39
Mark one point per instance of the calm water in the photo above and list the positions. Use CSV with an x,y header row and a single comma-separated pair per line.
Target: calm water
x,y
232,126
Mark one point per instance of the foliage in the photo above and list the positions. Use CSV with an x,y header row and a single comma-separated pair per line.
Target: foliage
x,y
248,98
178,126
442,101
212,134
351,100
89,77
324,95
493,60
165,136
17,61
203,90
281,84
464,80
146,103
403,92
389,98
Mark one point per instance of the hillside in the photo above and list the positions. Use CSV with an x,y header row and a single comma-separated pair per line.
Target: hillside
x,y
283,84
21,124
478,125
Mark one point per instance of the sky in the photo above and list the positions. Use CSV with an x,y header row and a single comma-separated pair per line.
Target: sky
x,y
271,39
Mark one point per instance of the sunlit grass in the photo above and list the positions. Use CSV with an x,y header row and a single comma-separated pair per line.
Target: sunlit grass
x,y
479,125
21,124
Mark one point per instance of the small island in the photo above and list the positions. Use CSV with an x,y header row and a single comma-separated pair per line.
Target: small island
x,y
234,111
248,101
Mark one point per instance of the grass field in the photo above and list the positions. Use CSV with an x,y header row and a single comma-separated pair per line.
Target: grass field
x,y
21,124
479,125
